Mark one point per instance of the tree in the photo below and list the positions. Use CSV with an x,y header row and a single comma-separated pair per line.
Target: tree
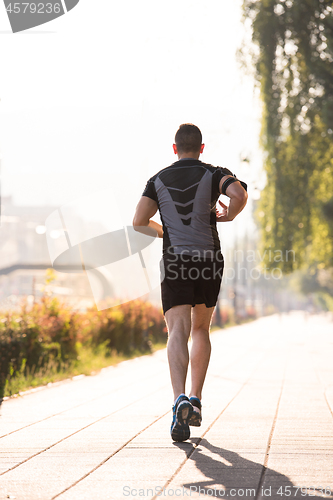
x,y
293,67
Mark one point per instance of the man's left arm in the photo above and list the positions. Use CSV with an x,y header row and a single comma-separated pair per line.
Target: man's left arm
x,y
237,192
145,210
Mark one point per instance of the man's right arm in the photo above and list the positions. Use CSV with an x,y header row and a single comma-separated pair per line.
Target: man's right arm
x,y
238,199
146,209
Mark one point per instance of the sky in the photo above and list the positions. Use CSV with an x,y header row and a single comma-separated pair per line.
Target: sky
x,y
92,100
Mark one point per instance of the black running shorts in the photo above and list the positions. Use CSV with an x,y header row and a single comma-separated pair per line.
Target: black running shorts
x,y
190,281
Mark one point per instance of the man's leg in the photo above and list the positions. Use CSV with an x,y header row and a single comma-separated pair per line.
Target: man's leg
x,y
178,320
200,350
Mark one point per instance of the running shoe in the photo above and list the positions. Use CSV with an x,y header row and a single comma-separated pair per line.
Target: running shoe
x,y
196,417
182,411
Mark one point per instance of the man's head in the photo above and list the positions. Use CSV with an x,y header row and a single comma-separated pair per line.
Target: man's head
x,y
188,141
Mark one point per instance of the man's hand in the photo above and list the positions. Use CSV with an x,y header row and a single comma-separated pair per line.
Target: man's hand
x,y
222,214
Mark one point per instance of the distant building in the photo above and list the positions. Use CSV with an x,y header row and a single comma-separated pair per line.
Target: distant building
x,y
23,242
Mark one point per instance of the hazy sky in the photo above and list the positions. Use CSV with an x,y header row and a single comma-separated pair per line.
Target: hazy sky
x,y
93,99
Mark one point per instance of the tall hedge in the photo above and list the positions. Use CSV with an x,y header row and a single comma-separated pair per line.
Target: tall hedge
x,y
52,331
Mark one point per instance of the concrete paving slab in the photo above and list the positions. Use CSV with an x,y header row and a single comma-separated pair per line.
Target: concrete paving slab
x,y
16,413
267,423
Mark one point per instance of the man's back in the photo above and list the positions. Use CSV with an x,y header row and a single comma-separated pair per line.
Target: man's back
x,y
186,193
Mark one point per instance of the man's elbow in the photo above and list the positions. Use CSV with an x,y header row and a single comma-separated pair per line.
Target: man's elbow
x,y
242,197
139,222
136,224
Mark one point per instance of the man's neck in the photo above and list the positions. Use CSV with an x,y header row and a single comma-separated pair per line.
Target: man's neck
x,y
190,156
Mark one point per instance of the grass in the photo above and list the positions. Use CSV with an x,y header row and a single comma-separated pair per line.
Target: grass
x,y
89,362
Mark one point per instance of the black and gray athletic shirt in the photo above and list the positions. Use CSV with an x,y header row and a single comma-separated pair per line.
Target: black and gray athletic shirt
x,y
186,193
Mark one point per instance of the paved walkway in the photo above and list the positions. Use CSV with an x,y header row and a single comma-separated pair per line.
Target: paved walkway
x,y
267,425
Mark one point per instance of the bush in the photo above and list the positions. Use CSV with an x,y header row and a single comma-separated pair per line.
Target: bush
x,y
50,332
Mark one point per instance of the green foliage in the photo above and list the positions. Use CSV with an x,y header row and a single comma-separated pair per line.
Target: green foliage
x,y
317,283
295,72
50,275
134,325
50,333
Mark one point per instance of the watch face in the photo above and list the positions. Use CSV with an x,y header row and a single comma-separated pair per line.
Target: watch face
x,y
24,15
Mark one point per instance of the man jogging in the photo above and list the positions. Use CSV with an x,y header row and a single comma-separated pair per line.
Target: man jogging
x,y
186,193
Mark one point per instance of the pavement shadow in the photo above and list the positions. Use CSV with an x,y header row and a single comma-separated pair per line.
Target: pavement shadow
x,y
231,476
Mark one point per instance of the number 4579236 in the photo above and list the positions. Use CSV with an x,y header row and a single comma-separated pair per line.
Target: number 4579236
x,y
33,8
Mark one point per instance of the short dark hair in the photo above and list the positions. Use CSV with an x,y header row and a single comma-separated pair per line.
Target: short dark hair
x,y
188,138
